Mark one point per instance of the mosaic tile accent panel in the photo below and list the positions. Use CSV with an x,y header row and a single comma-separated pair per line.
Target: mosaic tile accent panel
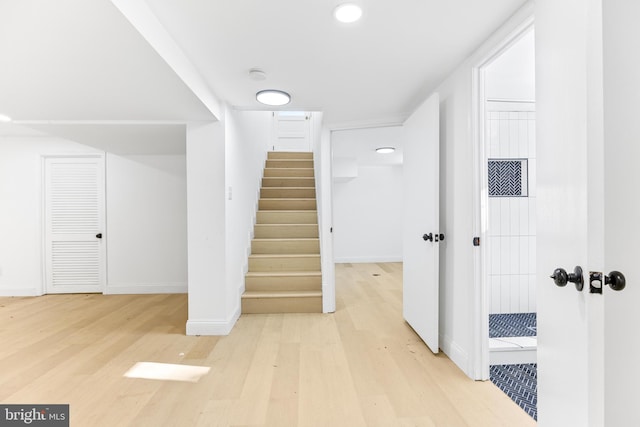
x,y
520,383
513,325
507,178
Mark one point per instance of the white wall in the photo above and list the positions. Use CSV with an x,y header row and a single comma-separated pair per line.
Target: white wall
x,y
145,211
209,310
247,136
146,223
512,75
368,208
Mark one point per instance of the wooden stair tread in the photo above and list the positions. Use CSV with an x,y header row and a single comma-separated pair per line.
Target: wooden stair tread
x,y
284,274
283,255
282,294
286,239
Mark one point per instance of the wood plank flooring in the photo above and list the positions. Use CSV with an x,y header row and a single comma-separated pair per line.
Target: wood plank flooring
x,y
362,366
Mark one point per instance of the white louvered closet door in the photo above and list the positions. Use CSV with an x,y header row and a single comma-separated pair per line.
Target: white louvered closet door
x,y
74,224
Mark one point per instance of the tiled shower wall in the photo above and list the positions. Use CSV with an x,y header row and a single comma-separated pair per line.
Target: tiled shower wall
x,y
512,220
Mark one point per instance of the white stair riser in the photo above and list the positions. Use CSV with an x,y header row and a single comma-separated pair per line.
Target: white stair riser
x,y
282,305
284,263
292,246
288,182
283,231
284,217
290,172
284,193
283,283
277,155
294,163
287,204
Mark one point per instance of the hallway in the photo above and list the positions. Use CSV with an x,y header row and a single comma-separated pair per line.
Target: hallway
x,y
361,366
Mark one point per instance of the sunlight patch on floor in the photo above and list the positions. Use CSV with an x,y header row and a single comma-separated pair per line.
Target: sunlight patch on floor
x,y
167,372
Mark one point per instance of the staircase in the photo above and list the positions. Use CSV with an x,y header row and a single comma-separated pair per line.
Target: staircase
x,y
284,266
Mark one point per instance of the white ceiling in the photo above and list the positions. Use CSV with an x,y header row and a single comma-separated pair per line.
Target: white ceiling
x,y
81,60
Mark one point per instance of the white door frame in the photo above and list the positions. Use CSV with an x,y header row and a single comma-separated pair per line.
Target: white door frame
x,y
480,318
43,216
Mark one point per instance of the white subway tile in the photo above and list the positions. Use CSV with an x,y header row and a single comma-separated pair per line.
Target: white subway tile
x,y
505,216
494,255
532,253
523,209
524,293
532,294
514,255
532,216
505,255
523,139
494,222
514,216
503,150
514,286
514,143
524,255
505,294
494,285
532,138
494,138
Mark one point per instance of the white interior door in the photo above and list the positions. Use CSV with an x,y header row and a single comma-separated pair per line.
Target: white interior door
x,y
621,205
421,232
74,223
292,131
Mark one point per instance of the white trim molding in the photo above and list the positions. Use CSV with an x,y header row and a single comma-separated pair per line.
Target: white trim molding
x,y
213,326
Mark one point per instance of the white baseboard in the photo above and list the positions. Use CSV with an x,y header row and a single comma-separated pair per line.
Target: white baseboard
x,y
213,327
20,292
366,260
456,354
145,288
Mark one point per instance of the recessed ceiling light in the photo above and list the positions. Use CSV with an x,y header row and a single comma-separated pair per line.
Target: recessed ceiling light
x,y
347,12
273,97
4,119
385,150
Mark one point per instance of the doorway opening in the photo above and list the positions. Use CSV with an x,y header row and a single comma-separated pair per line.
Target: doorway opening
x,y
506,203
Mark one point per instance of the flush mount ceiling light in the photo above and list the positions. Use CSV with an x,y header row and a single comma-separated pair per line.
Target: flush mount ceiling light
x,y
4,119
385,150
273,97
347,12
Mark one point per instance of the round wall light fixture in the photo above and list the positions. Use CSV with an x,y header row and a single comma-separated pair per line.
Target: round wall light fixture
x,y
347,13
273,97
385,150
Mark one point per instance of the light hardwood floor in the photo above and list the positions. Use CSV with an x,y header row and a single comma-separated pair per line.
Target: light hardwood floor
x,y
362,366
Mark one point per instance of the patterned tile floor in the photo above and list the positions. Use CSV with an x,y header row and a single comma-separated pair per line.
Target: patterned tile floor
x,y
512,325
520,383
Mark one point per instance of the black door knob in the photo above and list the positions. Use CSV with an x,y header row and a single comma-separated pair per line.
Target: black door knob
x,y
615,280
99,236
561,277
428,237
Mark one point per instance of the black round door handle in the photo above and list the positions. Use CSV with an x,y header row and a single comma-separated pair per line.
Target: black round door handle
x,y
561,277
615,280
428,237
99,236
